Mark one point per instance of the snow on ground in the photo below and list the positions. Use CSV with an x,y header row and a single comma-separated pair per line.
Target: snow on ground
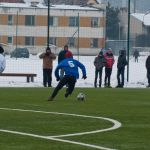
x,y
137,75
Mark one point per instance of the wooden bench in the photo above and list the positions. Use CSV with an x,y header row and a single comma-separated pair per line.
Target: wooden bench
x,y
30,76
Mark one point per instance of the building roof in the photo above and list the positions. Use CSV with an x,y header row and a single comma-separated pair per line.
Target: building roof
x,y
41,5
144,18
12,1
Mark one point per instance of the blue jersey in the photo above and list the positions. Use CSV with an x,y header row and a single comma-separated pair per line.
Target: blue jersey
x,y
70,67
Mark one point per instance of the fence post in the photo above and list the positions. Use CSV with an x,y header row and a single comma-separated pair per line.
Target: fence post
x,y
128,40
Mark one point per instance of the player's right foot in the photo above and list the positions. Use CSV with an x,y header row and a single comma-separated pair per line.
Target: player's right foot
x,y
66,95
148,86
50,99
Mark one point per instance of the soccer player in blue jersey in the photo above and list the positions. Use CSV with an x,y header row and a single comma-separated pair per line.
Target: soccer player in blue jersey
x,y
70,67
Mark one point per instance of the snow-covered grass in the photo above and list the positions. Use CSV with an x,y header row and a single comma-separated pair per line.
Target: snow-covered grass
x,y
137,72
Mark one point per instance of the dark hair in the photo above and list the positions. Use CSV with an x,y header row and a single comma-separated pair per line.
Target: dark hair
x,y
1,49
122,52
101,53
66,46
48,48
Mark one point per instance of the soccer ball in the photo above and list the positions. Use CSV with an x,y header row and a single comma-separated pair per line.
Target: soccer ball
x,y
81,96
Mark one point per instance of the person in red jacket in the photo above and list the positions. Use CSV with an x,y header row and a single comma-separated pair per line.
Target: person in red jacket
x,y
109,57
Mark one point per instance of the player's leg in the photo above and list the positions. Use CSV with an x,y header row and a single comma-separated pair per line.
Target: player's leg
x,y
62,82
106,76
96,75
100,77
49,77
118,77
122,77
109,76
44,78
71,84
148,77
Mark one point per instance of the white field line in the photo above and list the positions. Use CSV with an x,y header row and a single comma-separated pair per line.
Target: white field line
x,y
56,138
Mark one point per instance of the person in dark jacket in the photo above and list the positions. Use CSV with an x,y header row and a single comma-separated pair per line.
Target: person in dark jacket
x,y
70,66
122,62
99,63
147,64
109,57
136,55
61,57
48,58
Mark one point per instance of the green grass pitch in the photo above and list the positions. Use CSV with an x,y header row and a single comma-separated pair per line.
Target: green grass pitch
x,y
131,107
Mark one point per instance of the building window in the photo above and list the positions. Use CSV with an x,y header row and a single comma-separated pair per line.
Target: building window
x,y
73,21
53,21
94,43
29,41
71,42
52,41
29,20
10,40
95,22
10,20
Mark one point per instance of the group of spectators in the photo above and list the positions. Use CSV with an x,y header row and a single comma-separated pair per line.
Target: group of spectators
x,y
107,60
103,60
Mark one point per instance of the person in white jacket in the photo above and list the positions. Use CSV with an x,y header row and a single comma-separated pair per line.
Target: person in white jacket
x,y
2,60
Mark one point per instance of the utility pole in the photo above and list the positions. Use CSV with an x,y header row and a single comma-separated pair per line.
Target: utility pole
x,y
128,40
134,6
17,30
78,35
48,22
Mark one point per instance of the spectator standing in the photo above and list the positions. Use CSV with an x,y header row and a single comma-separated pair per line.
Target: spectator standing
x,y
70,66
148,69
99,63
2,60
109,57
122,62
61,56
136,55
48,58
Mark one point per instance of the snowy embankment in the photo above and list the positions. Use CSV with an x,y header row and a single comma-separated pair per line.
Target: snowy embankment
x,y
137,72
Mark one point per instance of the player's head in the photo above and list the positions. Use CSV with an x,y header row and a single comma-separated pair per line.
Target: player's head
x,y
101,53
66,47
109,50
48,50
68,55
1,50
122,52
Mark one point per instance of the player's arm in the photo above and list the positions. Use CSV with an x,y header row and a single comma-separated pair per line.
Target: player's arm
x,y
82,67
95,61
53,56
42,55
60,65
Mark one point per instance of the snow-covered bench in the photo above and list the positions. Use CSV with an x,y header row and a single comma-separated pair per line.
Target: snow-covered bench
x,y
30,76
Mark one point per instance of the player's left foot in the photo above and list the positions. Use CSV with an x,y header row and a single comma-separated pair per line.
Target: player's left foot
x,y
66,95
148,86
50,99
